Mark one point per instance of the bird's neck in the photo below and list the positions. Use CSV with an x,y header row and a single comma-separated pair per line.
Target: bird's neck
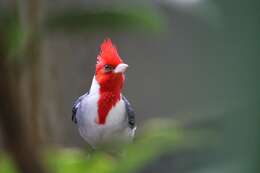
x,y
109,95
94,89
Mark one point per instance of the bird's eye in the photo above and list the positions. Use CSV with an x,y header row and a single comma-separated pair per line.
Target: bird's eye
x,y
108,68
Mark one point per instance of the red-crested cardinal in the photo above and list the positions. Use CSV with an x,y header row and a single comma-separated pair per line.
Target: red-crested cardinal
x,y
103,114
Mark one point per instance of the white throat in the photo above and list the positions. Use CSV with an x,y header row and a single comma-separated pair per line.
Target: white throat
x,y
94,86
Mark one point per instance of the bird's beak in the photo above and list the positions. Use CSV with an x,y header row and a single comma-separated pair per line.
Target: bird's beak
x,y
120,68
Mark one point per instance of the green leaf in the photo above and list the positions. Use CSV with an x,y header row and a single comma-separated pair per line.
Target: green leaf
x,y
130,18
14,37
6,164
157,137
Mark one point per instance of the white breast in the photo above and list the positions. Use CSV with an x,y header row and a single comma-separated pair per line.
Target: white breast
x,y
116,126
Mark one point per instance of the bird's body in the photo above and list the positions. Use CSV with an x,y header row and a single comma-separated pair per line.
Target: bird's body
x,y
104,115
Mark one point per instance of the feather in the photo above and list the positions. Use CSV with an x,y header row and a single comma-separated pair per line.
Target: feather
x,y
76,106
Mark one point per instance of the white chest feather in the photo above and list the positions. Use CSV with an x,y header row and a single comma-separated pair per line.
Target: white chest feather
x,y
116,125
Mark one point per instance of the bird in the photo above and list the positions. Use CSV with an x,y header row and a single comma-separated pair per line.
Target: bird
x,y
103,115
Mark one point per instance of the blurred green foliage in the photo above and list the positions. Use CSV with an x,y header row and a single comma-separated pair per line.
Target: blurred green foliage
x,y
130,18
79,20
158,137
6,164
12,35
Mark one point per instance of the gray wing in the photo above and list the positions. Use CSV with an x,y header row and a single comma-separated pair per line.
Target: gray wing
x,y
76,106
130,113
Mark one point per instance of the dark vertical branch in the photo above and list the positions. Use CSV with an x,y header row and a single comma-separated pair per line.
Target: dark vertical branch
x,y
20,137
15,131
30,17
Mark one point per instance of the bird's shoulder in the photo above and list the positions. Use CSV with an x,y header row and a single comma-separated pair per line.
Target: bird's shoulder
x,y
76,106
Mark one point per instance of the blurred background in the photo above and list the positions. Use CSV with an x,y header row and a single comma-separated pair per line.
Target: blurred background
x,y
193,81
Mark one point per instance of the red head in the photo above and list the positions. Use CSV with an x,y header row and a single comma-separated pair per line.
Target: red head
x,y
109,75
110,67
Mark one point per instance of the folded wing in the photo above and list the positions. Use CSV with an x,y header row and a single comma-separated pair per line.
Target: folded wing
x,y
76,106
130,113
